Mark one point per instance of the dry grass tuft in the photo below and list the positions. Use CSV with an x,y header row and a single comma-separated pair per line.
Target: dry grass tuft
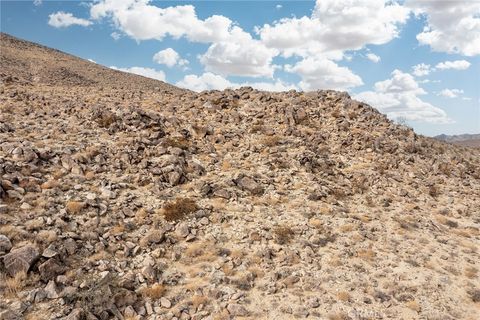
x,y
46,236
471,272
447,222
118,229
366,254
338,316
50,184
15,284
174,211
74,207
270,141
414,305
433,191
283,234
202,251
343,296
14,233
156,291
106,119
198,300
177,142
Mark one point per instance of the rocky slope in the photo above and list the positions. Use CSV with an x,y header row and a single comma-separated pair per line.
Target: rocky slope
x,y
126,198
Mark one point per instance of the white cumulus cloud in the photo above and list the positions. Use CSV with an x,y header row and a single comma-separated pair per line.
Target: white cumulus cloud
x,y
336,26
373,57
232,51
452,26
421,69
241,55
62,19
398,97
450,93
211,81
146,72
318,73
169,57
455,65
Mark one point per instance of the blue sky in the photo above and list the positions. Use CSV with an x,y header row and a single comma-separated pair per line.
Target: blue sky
x,y
417,61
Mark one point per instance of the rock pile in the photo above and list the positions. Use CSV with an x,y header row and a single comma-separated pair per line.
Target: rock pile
x,y
152,202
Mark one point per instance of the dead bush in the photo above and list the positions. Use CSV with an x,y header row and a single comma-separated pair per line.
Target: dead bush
x,y
283,234
176,142
174,211
156,291
106,118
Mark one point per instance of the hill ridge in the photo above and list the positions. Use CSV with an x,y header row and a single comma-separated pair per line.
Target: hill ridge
x,y
141,200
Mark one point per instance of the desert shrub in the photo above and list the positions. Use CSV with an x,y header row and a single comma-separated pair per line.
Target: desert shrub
x,y
433,191
74,207
335,113
105,119
156,291
177,210
283,234
475,295
177,142
270,141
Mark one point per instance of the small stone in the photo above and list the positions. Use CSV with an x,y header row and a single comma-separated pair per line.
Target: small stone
x,y
174,178
190,237
76,314
51,290
49,269
204,221
91,196
49,253
21,259
247,183
153,236
129,312
25,206
3,208
164,302
237,310
312,303
182,230
5,244
148,307
149,272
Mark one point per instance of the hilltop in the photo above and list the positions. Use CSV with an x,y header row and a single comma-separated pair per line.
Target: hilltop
x,y
124,197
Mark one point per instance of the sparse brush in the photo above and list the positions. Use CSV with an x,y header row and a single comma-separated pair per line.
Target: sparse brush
x,y
46,236
475,295
174,211
74,207
338,316
106,118
270,141
433,191
413,305
156,291
471,272
343,296
177,142
198,300
283,234
335,113
14,284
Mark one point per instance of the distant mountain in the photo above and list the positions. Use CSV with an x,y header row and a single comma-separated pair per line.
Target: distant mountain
x,y
471,140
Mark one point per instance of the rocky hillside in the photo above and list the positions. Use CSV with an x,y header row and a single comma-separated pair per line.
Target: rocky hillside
x,y
126,198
